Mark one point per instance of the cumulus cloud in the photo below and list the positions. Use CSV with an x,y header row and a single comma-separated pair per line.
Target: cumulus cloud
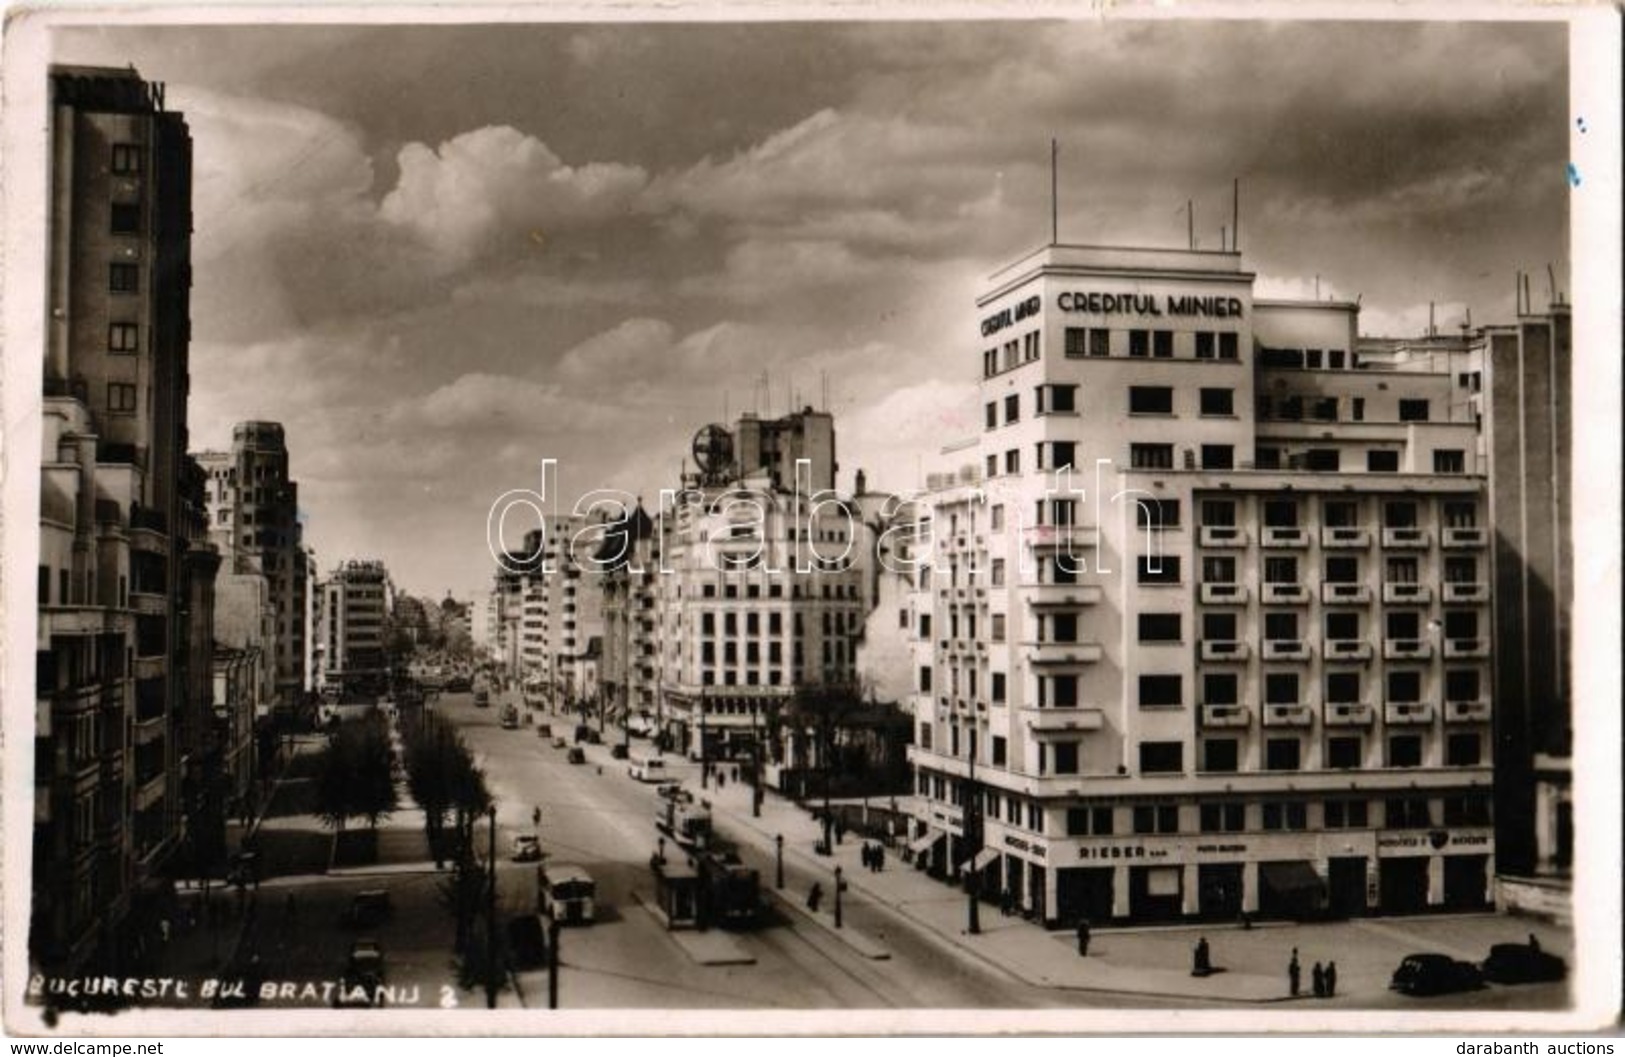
x,y
497,185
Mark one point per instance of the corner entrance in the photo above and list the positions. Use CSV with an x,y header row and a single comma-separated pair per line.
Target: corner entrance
x,y
1404,885
1346,884
1081,892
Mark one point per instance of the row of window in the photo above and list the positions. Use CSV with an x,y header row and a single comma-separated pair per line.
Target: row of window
x,y
1343,752
1286,626
1016,351
1296,408
1471,809
1082,342
1311,359
1286,688
1165,569
1269,457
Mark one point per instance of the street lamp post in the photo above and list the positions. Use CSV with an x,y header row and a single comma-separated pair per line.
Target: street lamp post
x,y
553,932
973,841
778,863
838,886
491,918
705,757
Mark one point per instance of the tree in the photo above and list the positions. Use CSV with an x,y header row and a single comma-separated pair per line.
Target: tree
x,y
822,709
353,774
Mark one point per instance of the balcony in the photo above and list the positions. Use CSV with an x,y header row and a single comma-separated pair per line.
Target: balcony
x,y
1350,714
1407,593
1333,538
1060,537
1286,650
1345,594
149,605
1064,652
1464,538
1064,594
1226,716
1466,711
1277,536
1288,716
1404,538
1047,719
1221,650
1291,594
1407,713
1466,648
1224,594
1221,536
1406,650
1347,650
1466,592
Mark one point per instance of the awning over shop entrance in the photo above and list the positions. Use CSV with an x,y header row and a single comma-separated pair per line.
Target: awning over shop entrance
x,y
983,857
1290,878
923,844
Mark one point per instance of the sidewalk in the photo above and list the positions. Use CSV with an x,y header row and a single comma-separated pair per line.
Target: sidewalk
x,y
1018,947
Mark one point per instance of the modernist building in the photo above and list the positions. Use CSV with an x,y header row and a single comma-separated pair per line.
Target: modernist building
x,y
762,591
1209,611
352,624
117,699
1526,404
627,566
254,517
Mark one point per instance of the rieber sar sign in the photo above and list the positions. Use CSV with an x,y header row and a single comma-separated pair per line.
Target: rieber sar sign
x,y
1096,303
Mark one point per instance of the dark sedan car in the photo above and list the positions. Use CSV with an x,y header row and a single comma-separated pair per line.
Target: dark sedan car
x,y
1434,974
1519,963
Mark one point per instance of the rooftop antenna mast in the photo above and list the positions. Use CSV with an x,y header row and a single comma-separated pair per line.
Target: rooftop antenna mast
x,y
1235,214
1551,286
1190,224
1054,192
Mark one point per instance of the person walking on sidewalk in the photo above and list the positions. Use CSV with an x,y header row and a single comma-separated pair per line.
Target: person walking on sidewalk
x,y
815,896
1202,964
1083,937
1317,981
1293,973
880,858
1331,979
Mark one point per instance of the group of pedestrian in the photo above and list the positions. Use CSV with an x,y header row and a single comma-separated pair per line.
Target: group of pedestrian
x,y
1322,978
873,856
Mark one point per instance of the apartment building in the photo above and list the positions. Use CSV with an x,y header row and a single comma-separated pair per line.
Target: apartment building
x,y
762,592
352,625
1210,616
117,699
627,567
254,519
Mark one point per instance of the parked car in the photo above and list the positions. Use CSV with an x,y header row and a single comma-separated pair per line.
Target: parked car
x,y
1434,974
526,848
369,908
617,752
559,743
482,699
362,981
575,755
527,942
1521,963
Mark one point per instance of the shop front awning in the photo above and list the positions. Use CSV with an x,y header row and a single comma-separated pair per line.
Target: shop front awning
x,y
983,858
1290,877
921,845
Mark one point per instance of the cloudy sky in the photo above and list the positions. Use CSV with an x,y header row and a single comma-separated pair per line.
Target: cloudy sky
x,y
441,254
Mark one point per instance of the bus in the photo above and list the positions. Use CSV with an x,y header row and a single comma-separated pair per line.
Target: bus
x,y
647,769
510,717
686,821
565,893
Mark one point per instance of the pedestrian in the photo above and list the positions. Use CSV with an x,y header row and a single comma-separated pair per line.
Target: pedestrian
x,y
1331,979
1317,980
163,930
815,896
722,779
880,858
1293,972
1534,944
1083,937
865,858
1201,963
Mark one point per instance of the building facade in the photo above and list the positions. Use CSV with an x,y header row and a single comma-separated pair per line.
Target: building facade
x,y
254,518
352,625
1210,608
116,701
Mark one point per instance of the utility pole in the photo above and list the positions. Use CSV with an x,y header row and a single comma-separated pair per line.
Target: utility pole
x,y
778,860
973,841
491,981
553,963
755,760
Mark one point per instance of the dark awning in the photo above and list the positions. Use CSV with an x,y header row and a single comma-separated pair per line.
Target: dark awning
x,y
1293,876
924,843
